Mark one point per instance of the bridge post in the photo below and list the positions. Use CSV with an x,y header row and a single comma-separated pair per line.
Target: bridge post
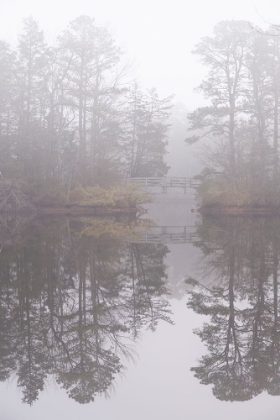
x,y
164,186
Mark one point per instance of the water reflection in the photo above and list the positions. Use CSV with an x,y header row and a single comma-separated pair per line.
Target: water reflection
x,y
73,299
239,290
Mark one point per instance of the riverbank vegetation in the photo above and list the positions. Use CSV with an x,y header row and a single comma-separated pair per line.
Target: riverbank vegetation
x,y
18,197
240,121
71,123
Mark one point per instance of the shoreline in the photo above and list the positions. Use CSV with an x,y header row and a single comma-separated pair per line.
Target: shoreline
x,y
75,210
239,210
86,210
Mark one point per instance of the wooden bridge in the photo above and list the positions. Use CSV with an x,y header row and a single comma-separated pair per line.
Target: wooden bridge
x,y
167,235
163,185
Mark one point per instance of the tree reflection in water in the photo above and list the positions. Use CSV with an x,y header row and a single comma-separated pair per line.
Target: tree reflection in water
x,y
238,290
73,298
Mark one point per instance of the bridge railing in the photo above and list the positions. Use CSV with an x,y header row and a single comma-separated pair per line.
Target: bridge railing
x,y
164,183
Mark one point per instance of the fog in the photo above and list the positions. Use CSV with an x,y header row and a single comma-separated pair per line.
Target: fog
x,y
158,35
129,245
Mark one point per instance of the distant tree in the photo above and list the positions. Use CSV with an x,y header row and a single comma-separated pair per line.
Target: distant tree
x,y
32,67
225,55
89,88
8,125
146,132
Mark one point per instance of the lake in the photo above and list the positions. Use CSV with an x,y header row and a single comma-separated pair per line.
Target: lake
x,y
172,316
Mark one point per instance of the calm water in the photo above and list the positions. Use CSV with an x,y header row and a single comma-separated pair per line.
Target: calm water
x,y
108,319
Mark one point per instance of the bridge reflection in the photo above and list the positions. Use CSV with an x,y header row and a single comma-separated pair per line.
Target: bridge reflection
x,y
168,235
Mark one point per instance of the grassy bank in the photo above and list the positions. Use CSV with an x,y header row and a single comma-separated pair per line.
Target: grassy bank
x,y
20,197
219,195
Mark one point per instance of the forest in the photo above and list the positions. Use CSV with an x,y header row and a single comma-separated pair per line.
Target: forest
x,y
239,124
71,118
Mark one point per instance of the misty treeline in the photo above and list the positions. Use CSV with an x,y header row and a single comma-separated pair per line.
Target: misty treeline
x,y
68,116
74,303
240,123
238,290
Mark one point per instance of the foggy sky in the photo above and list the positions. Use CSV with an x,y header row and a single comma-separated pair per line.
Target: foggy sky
x,y
158,35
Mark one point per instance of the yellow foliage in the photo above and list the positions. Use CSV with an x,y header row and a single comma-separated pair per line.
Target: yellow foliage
x,y
215,193
115,196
